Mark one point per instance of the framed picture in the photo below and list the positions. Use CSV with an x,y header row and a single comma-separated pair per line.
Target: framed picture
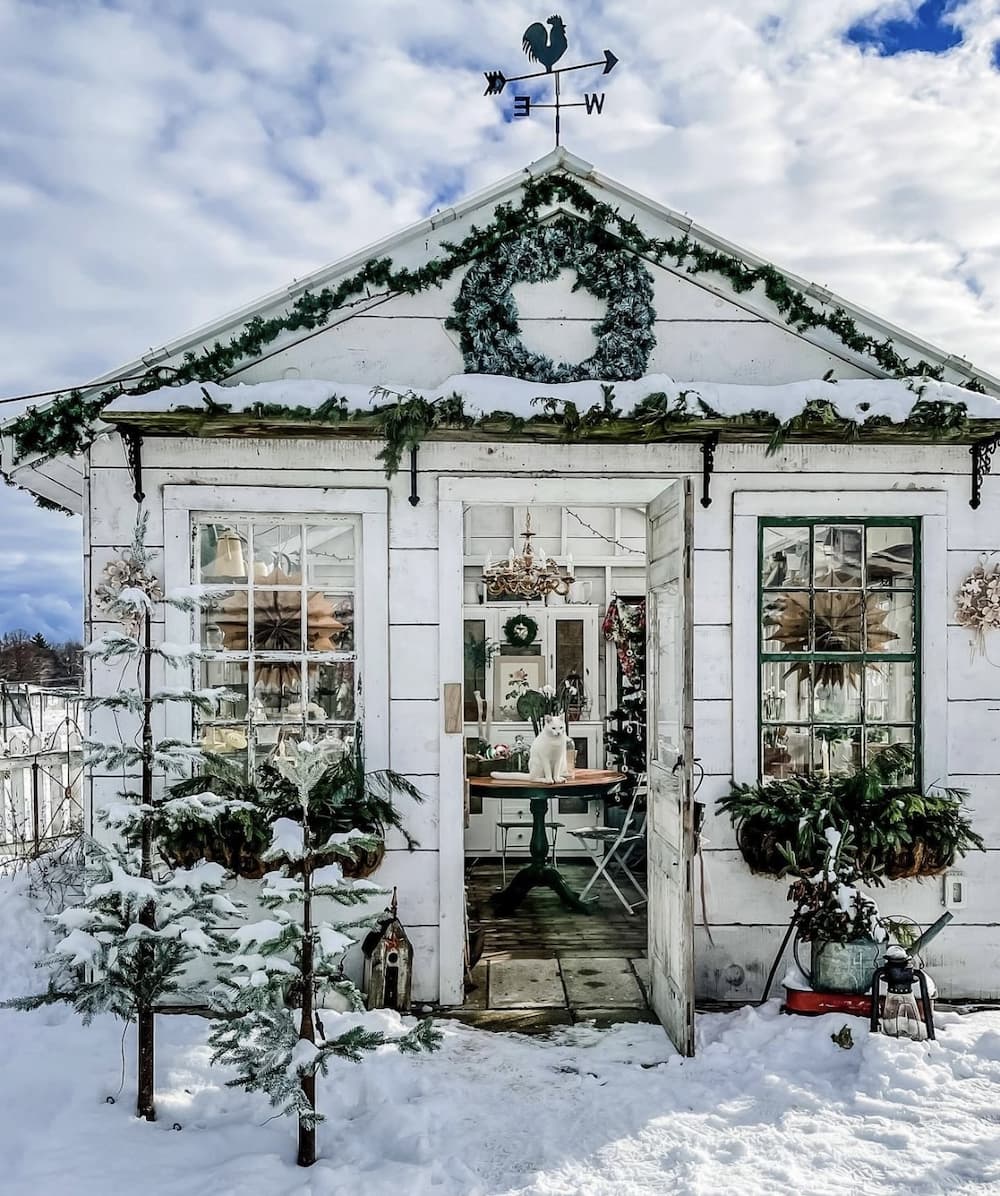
x,y
512,677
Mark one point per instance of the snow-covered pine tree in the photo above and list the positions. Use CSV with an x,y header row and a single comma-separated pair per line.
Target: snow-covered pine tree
x,y
139,925
271,1030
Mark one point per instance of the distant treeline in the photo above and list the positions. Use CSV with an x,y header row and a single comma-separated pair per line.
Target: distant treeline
x,y
33,659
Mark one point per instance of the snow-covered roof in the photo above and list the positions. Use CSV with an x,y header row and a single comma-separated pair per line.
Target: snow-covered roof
x,y
855,400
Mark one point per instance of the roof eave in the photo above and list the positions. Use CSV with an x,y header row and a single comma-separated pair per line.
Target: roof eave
x,y
363,426
55,479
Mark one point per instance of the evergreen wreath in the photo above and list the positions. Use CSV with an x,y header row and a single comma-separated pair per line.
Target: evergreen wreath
x,y
520,629
486,315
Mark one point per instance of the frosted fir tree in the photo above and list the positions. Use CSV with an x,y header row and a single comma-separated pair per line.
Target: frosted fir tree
x,y
140,925
271,1030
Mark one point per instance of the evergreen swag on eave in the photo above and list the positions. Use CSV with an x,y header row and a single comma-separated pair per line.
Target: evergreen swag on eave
x,y
66,424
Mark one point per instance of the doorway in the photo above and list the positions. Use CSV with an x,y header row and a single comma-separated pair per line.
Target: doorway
x,y
633,948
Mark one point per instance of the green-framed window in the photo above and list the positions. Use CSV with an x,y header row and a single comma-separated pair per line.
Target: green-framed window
x,y
839,643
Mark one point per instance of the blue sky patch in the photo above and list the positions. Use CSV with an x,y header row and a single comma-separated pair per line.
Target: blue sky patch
x,y
996,55
929,30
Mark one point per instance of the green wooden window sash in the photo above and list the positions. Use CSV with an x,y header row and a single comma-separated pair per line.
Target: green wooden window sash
x,y
860,659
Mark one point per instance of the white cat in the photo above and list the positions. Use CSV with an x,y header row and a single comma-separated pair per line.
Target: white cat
x,y
547,760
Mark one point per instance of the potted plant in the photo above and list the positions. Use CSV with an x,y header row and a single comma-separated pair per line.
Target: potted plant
x,y
346,797
840,923
897,831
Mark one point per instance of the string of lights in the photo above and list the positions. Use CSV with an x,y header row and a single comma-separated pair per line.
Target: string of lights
x,y
601,536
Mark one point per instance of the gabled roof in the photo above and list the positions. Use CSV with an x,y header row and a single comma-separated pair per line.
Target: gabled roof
x,y
557,161
58,478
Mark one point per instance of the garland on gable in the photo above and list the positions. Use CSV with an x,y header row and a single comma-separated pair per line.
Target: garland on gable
x,y
67,425
486,314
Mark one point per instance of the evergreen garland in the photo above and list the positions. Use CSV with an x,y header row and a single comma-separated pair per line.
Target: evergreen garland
x,y
66,425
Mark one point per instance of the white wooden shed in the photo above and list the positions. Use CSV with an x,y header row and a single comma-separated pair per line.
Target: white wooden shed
x,y
670,485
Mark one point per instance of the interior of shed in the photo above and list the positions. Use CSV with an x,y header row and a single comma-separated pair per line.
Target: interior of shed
x,y
554,603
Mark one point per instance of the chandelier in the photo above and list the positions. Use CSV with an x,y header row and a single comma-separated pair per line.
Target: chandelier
x,y
526,574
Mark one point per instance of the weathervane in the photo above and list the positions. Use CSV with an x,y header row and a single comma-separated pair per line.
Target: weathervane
x,y
547,47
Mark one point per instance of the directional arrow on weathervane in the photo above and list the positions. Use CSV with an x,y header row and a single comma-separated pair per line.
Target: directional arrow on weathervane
x,y
496,81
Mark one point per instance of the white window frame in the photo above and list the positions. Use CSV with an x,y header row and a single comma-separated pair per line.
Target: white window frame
x,y
749,507
372,600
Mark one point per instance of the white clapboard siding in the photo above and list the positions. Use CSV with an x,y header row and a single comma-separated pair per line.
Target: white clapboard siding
x,y
824,477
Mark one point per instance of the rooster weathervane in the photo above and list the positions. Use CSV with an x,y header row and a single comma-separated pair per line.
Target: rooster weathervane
x,y
547,46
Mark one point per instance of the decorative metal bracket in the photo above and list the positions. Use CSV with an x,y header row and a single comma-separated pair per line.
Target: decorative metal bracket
x,y
708,447
982,458
414,496
132,442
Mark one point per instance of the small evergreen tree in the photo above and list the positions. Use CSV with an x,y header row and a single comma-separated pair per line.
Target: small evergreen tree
x,y
136,930
271,1031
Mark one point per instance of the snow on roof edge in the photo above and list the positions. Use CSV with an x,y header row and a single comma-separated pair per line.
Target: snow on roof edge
x,y
856,400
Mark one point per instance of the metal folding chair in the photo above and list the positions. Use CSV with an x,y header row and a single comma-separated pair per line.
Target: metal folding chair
x,y
610,846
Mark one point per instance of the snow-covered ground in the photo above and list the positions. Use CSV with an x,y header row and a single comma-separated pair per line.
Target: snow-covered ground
x,y
770,1105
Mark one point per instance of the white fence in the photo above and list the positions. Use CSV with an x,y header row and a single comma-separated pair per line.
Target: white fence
x,y
41,787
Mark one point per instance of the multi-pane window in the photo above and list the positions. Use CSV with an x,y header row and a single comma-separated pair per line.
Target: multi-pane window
x,y
839,642
280,629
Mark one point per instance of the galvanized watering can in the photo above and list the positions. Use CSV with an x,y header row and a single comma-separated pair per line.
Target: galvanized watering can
x,y
843,967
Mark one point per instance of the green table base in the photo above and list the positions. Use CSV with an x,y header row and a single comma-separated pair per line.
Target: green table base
x,y
539,871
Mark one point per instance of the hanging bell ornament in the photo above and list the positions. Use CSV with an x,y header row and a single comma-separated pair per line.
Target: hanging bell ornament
x,y
229,563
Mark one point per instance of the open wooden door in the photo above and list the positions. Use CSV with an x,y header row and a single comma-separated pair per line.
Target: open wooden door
x,y
670,824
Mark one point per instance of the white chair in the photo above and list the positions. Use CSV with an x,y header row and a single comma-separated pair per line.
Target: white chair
x,y
504,826
611,846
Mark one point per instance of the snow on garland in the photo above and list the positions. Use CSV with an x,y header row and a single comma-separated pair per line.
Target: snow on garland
x,y
486,315
644,410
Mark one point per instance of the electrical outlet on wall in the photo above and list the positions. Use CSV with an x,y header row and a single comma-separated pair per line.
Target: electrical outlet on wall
x,y
953,893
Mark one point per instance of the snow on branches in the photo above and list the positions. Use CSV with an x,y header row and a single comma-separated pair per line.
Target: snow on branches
x,y
283,968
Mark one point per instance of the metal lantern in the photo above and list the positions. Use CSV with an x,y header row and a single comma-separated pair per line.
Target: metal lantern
x,y
388,963
899,1016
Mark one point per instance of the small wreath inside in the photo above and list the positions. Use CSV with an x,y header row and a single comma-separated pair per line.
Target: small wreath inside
x,y
486,315
520,630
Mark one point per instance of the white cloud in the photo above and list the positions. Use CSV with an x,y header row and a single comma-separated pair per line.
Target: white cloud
x,y
162,164
40,570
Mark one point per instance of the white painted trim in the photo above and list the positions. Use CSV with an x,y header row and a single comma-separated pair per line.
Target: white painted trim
x,y
373,610
931,507
813,503
451,770
934,706
578,490
278,500
744,584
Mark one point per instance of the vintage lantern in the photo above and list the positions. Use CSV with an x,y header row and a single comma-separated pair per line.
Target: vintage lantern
x,y
899,1016
388,963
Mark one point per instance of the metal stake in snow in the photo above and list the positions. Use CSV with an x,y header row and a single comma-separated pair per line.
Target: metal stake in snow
x,y
547,47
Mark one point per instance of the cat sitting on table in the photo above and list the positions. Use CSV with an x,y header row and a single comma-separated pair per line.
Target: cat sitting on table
x,y
547,759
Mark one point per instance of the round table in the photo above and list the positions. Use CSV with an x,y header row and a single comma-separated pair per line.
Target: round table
x,y
586,782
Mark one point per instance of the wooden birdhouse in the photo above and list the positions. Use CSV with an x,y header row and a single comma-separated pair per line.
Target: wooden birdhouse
x,y
388,963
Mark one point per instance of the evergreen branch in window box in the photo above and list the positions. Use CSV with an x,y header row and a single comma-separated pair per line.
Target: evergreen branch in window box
x,y
897,831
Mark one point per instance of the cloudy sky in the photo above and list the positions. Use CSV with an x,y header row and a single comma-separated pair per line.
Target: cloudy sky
x,y
165,161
